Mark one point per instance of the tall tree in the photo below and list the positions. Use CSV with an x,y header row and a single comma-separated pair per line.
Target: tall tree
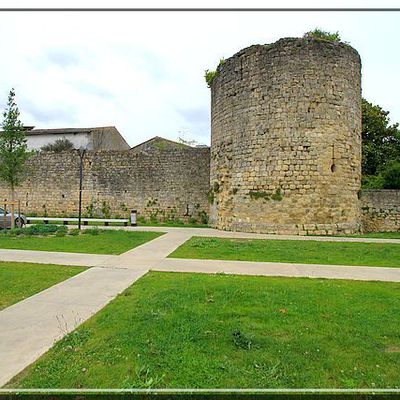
x,y
380,140
13,148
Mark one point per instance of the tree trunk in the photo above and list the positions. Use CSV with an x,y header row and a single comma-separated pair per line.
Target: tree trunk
x,y
12,207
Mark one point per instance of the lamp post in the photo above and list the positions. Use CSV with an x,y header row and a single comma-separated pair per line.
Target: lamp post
x,y
81,154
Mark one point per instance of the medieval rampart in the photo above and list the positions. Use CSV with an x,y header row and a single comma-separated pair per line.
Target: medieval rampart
x,y
380,210
286,139
162,185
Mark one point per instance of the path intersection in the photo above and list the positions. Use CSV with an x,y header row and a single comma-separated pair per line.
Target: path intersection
x,y
29,328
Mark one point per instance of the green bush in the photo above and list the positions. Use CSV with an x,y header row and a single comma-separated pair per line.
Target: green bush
x,y
91,231
323,35
44,229
203,217
372,182
209,76
391,176
14,232
141,219
59,145
35,230
74,232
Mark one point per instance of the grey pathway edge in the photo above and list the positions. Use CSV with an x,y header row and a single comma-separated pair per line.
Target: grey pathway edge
x,y
29,328
211,232
51,257
279,269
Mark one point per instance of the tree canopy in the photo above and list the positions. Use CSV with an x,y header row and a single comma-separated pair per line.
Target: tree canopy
x,y
13,146
380,139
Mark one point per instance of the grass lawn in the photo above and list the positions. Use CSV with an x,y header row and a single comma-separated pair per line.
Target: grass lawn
x,y
291,251
106,242
376,235
204,331
21,280
380,235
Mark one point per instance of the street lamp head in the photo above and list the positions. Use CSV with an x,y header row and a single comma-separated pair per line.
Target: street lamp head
x,y
81,151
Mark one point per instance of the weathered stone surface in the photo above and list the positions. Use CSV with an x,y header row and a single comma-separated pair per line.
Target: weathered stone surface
x,y
380,210
285,155
286,138
160,184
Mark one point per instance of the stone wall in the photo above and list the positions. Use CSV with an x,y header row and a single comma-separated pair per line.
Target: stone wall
x,y
160,184
380,210
286,139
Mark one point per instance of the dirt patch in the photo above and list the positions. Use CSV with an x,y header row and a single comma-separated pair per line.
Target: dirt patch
x,y
392,349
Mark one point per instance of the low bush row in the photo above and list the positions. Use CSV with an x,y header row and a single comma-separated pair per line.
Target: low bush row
x,y
48,230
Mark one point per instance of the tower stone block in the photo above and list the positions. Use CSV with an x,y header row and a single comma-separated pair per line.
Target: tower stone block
x,y
286,139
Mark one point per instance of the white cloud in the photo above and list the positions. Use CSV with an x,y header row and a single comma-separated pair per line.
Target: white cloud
x,y
143,72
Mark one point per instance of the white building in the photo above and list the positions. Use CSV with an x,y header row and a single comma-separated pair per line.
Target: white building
x,y
101,138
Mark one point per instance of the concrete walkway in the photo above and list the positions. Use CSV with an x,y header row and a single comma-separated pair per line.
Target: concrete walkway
x,y
279,269
30,327
59,258
210,232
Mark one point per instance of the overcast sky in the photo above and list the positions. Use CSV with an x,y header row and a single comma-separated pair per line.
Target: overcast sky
x,y
144,72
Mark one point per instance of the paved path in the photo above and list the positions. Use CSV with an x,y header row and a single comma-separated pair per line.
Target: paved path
x,y
279,269
51,257
30,327
210,232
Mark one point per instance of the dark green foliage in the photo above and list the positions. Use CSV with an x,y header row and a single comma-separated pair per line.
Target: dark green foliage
x,y
35,230
58,146
255,195
380,140
106,209
391,176
323,35
278,196
241,341
92,231
209,76
211,196
203,217
13,147
372,181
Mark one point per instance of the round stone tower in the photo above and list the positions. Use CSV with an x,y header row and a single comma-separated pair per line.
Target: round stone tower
x,y
286,139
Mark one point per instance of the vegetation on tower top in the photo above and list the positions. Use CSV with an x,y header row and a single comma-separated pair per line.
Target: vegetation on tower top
x,y
323,35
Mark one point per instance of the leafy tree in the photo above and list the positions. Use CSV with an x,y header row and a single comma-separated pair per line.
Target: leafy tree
x,y
380,140
323,35
59,145
391,176
13,147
